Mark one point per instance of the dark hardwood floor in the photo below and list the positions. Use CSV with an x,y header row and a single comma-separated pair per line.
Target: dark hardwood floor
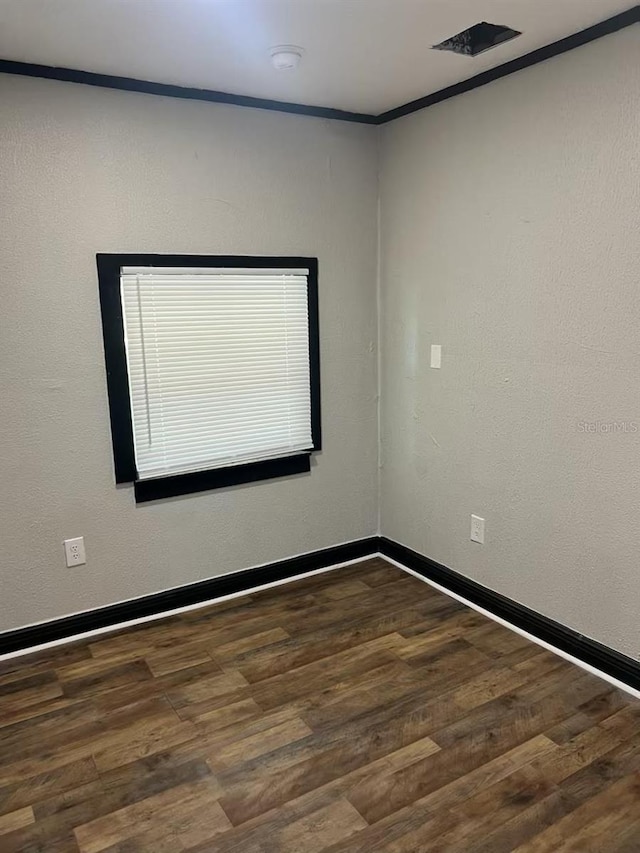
x,y
357,711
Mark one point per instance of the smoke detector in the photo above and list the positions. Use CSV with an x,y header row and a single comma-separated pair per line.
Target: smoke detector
x,y
286,57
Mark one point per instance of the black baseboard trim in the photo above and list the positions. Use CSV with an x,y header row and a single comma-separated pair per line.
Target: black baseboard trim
x,y
607,660
603,658
598,31
162,602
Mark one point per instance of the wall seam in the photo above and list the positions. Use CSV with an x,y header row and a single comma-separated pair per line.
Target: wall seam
x,y
379,333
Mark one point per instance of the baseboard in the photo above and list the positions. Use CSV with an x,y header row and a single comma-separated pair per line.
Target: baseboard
x,y
602,658
162,603
561,638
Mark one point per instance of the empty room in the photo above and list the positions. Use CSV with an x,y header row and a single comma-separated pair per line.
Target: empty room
x,y
319,426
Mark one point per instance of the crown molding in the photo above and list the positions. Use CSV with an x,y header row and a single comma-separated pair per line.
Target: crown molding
x,y
598,31
131,84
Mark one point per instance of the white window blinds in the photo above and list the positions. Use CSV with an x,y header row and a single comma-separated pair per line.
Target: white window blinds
x,y
218,363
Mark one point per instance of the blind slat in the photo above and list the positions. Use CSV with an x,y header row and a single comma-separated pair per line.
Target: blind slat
x,y
218,363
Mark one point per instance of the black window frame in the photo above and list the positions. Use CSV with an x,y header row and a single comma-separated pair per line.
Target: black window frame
x,y
109,268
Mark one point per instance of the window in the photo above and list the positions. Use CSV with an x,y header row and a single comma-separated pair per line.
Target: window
x,y
212,369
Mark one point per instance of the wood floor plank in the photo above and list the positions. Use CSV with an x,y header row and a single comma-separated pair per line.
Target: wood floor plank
x,y
380,573
205,686
446,630
51,719
574,792
592,822
447,818
306,648
30,790
154,818
43,661
280,689
142,742
263,639
16,820
342,589
248,748
352,711
610,825
319,829
625,838
246,836
360,694
210,711
27,694
174,660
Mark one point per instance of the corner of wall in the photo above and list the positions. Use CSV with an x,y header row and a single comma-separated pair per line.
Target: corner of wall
x,y
379,332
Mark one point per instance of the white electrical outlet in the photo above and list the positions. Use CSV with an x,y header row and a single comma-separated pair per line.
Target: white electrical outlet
x,y
436,355
477,529
74,552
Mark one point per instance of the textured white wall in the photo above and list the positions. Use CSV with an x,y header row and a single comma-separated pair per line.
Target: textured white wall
x,y
86,170
510,235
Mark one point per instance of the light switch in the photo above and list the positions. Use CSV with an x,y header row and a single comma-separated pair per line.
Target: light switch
x,y
436,355
477,529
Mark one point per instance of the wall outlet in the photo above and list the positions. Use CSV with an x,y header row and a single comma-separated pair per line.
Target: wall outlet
x,y
436,355
477,529
74,552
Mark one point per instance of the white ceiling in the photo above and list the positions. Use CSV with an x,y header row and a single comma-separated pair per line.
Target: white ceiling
x,y
361,55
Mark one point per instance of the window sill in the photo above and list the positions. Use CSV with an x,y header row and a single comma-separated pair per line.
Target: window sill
x,y
200,481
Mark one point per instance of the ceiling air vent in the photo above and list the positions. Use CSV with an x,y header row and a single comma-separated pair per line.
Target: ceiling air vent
x,y
477,39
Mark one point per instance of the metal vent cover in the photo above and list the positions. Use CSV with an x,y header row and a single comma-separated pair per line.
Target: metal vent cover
x,y
478,39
